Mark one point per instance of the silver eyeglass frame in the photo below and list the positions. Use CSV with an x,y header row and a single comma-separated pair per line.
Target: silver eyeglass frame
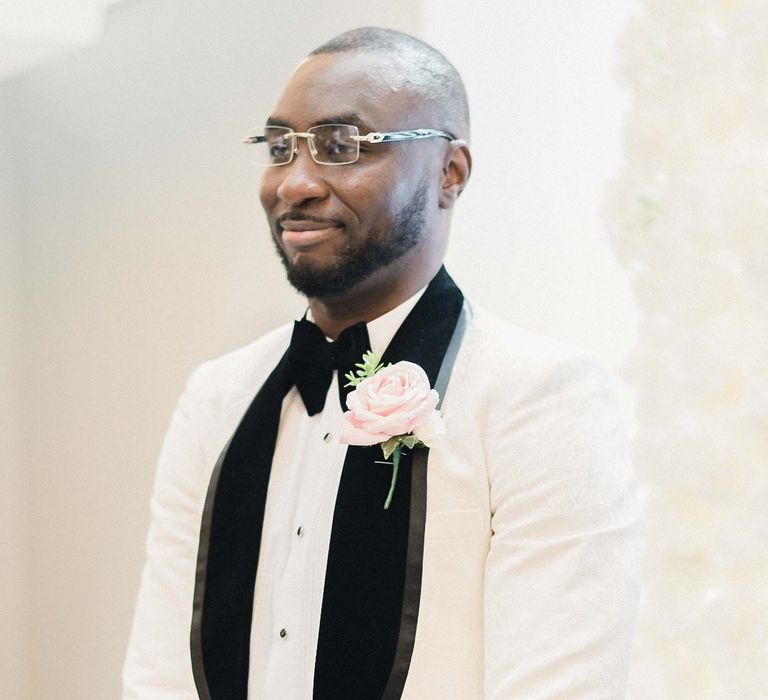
x,y
372,137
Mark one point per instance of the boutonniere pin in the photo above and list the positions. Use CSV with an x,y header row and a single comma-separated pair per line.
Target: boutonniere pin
x,y
392,406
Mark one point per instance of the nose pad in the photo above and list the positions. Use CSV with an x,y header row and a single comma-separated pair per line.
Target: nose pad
x,y
312,146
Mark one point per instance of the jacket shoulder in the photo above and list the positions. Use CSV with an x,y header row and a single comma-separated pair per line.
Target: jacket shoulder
x,y
501,361
242,371
508,348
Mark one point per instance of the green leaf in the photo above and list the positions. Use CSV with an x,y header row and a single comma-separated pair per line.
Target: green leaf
x,y
409,441
389,446
367,368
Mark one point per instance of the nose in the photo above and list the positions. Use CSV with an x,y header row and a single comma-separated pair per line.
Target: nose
x,y
301,179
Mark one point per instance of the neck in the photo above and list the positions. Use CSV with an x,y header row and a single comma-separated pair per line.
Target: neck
x,y
383,291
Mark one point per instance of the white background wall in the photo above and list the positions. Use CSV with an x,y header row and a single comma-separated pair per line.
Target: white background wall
x,y
546,134
14,650
132,248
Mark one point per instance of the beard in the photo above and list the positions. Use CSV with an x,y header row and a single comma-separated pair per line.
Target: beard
x,y
359,260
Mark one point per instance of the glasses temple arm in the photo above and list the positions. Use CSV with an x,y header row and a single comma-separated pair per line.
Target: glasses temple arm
x,y
410,135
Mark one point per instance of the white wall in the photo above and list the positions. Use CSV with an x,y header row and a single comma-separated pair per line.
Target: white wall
x,y
142,252
547,112
14,610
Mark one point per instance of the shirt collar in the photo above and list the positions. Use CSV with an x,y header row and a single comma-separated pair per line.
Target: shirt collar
x,y
382,329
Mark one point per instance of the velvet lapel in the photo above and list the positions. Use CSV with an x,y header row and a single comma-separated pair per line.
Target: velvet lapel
x,y
230,536
370,601
363,626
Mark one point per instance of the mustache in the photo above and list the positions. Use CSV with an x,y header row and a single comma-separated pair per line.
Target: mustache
x,y
300,216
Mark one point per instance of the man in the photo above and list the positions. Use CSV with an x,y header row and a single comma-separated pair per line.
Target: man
x,y
505,565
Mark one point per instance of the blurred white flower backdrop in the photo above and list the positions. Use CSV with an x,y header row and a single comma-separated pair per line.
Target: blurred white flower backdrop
x,y
688,218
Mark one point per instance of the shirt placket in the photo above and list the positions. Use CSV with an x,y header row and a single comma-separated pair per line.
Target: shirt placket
x,y
317,467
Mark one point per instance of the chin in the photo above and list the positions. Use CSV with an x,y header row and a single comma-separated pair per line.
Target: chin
x,y
317,280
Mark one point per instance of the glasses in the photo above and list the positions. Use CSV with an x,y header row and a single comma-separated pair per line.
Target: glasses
x,y
329,144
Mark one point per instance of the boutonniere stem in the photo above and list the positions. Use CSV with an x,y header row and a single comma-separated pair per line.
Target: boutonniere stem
x,y
393,407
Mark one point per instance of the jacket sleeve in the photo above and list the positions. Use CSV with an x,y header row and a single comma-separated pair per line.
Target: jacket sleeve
x,y
158,663
561,580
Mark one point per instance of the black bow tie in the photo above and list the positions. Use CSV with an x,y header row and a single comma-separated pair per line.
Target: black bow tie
x,y
312,359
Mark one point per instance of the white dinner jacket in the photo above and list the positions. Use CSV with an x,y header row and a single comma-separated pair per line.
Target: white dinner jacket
x,y
530,566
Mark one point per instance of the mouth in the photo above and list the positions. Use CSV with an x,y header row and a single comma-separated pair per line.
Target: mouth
x,y
302,233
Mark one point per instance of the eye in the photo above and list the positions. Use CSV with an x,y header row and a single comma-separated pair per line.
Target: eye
x,y
278,150
340,148
275,147
335,143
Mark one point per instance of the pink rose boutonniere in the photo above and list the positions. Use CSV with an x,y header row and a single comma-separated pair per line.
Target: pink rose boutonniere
x,y
393,406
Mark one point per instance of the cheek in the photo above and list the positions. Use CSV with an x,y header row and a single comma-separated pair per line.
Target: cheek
x,y
412,169
268,189
373,195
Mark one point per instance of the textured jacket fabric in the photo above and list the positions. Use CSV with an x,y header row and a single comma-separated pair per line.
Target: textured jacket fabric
x,y
530,565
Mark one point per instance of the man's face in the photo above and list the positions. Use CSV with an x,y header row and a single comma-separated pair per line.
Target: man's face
x,y
334,226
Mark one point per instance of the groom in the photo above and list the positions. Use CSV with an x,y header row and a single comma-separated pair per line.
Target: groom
x,y
505,564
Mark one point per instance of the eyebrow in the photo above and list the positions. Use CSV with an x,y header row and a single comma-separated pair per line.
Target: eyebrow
x,y
351,118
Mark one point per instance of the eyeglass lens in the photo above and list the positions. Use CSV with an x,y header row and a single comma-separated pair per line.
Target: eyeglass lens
x,y
332,144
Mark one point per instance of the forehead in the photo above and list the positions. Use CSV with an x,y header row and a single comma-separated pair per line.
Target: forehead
x,y
364,86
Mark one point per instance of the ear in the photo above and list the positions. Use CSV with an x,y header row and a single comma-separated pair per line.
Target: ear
x,y
457,166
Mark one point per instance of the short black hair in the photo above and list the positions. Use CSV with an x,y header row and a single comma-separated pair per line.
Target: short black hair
x,y
424,70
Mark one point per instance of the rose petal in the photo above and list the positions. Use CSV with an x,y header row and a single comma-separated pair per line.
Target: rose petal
x,y
392,402
352,435
431,430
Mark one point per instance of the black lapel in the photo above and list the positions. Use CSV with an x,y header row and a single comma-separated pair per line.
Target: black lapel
x,y
366,633
370,602
228,555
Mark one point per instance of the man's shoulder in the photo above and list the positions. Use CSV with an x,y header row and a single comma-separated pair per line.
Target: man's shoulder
x,y
243,370
512,345
504,357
